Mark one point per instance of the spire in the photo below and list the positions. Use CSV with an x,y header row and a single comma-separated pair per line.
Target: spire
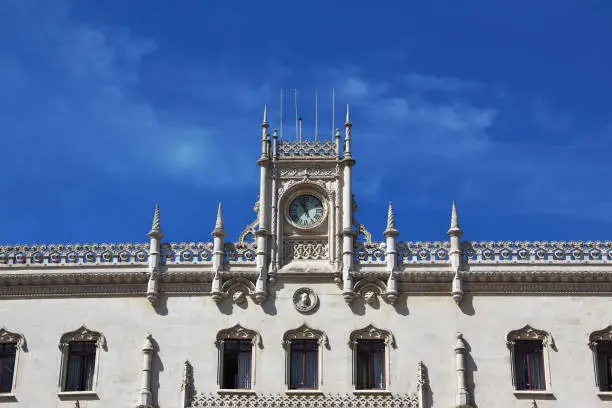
x,y
219,227
265,117
347,122
156,227
391,230
455,229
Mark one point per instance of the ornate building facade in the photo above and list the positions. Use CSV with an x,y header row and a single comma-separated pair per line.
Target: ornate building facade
x,y
306,310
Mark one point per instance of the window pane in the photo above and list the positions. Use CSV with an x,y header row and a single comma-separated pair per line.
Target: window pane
x,y
303,362
236,364
529,365
371,364
8,352
604,366
80,367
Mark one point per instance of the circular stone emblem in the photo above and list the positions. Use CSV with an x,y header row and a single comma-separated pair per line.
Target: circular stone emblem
x,y
305,300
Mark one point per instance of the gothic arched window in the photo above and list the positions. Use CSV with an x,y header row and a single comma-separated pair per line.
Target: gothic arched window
x,y
11,346
304,357
237,357
371,358
80,360
529,358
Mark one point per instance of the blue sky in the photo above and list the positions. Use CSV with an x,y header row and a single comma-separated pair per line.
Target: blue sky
x,y
109,106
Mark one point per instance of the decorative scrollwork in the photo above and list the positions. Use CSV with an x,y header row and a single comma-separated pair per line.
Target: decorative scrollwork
x,y
370,252
305,333
83,334
306,149
307,400
423,252
305,250
13,338
372,333
241,252
74,254
529,333
238,332
537,251
598,336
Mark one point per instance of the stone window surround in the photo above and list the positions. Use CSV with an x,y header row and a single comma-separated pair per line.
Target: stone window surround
x,y
529,333
370,332
80,334
237,332
595,338
304,332
8,337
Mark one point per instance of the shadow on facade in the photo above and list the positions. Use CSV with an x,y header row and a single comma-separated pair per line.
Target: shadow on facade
x,y
161,305
467,304
470,369
156,368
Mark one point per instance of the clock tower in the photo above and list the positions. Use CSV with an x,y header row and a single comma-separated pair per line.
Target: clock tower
x,y
305,210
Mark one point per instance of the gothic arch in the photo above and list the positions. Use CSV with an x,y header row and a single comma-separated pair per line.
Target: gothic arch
x,y
304,332
370,332
238,332
529,333
83,334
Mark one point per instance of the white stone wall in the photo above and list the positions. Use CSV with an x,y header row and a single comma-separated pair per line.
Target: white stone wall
x,y
424,328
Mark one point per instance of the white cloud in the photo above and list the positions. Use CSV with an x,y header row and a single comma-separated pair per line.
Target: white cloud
x,y
420,82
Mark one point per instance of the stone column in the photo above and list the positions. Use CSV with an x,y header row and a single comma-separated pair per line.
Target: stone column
x,y
461,397
263,230
146,397
455,256
348,233
391,234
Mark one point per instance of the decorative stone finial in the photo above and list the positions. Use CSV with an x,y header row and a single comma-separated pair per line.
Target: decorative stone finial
x,y
156,227
348,116
391,230
460,344
455,229
219,227
148,343
265,117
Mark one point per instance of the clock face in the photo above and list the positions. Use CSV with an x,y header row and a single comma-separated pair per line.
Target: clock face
x,y
306,211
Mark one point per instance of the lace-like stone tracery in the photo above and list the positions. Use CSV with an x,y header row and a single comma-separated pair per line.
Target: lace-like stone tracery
x,y
306,401
306,149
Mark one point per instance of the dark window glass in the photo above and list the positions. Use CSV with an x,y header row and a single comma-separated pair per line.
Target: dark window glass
x,y
236,364
604,365
80,368
371,365
529,365
8,351
304,364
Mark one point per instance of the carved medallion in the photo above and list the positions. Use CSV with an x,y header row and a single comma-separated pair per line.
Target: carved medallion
x,y
305,300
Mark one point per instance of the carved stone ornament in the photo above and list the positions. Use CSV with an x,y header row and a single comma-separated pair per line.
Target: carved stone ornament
x,y
305,300
372,333
598,336
305,333
305,249
238,289
306,400
370,289
238,332
529,333
83,334
12,338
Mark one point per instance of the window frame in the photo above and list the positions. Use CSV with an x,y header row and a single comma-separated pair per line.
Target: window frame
x,y
9,337
82,334
525,334
370,333
304,332
596,339
237,332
